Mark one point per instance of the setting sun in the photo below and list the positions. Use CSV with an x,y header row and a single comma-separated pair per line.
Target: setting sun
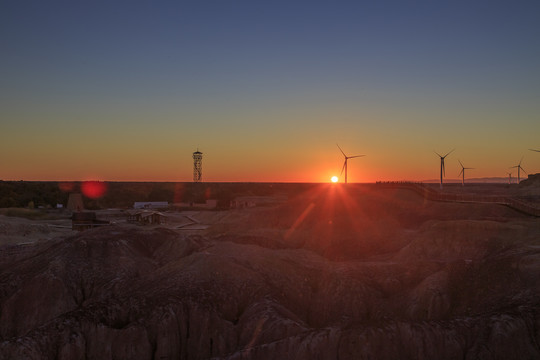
x,y
334,179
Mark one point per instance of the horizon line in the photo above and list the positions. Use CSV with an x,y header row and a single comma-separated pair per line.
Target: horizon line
x,y
449,180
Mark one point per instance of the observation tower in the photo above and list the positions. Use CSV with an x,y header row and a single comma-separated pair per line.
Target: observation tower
x,y
197,166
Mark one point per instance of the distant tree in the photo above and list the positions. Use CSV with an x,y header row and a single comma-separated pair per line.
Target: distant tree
x,y
159,193
224,198
263,190
7,202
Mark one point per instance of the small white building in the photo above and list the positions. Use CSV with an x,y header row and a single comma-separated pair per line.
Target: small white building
x,y
151,205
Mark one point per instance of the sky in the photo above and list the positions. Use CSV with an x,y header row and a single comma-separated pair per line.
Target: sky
x,y
128,90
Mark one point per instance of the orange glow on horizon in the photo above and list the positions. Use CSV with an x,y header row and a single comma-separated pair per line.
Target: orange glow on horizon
x,y
416,165
334,179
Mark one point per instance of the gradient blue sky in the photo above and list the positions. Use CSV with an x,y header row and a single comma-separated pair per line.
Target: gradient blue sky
x,y
127,90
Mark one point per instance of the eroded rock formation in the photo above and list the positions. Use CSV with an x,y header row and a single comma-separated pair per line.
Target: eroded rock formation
x,y
327,275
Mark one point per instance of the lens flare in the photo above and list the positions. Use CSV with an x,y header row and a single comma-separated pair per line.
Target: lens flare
x,y
93,189
66,186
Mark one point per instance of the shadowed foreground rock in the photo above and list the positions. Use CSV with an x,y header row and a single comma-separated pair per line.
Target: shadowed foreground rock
x,y
321,277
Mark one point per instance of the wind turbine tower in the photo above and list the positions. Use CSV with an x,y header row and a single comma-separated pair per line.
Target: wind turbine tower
x,y
518,166
197,166
442,164
463,173
345,162
509,177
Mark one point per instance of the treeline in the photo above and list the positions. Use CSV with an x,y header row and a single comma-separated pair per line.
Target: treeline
x,y
31,194
124,194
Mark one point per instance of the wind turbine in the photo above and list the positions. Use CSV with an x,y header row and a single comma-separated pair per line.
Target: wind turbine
x,y
442,163
509,177
345,163
534,150
463,168
518,166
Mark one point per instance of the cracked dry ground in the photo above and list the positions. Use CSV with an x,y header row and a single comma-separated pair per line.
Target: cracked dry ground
x,y
328,275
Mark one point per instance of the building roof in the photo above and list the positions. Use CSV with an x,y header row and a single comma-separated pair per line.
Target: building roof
x,y
145,213
142,204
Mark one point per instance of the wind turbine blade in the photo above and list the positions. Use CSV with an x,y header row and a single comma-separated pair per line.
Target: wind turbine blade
x,y
341,150
439,155
352,157
449,152
343,168
520,161
460,163
534,150
461,171
522,169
